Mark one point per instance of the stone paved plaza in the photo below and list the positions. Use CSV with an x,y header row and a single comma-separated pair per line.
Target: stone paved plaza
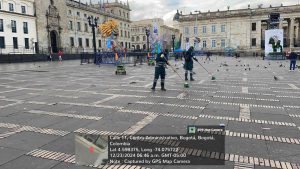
x,y
42,105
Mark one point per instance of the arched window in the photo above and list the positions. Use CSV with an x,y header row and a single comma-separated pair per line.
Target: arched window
x,y
137,39
132,39
144,38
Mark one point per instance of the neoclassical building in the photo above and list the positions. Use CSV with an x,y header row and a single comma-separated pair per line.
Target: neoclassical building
x,y
138,31
63,24
241,29
17,27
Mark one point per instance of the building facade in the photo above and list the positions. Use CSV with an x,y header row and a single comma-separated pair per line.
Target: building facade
x,y
164,32
17,27
63,24
241,29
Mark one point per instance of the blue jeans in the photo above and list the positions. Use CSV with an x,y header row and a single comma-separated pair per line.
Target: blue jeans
x,y
293,64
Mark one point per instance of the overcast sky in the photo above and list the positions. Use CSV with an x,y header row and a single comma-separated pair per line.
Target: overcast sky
x,y
146,9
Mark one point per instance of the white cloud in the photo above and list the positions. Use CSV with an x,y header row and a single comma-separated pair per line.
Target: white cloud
x,y
146,9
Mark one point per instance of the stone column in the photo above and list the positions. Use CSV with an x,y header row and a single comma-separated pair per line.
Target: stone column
x,y
298,33
291,32
281,23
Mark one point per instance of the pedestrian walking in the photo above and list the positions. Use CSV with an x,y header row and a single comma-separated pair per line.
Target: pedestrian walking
x,y
50,56
188,65
208,54
60,53
160,69
293,58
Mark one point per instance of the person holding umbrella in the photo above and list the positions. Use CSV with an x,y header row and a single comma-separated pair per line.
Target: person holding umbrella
x,y
189,64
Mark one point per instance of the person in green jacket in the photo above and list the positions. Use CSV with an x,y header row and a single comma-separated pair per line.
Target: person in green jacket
x,y
189,64
160,69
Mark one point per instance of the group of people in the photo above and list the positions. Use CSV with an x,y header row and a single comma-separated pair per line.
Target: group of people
x,y
162,61
60,53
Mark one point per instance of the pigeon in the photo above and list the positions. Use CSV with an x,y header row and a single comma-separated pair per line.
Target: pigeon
x,y
132,83
257,65
275,78
245,69
218,70
266,67
280,65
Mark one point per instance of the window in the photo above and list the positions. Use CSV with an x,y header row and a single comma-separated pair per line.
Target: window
x,y
127,16
72,42
70,12
1,25
85,15
78,14
203,29
186,30
121,33
253,26
13,26
0,5
213,28
87,42
25,27
253,42
222,28
80,42
204,44
23,9
99,43
86,28
78,26
195,30
144,38
2,42
223,43
125,34
15,42
70,25
137,39
26,40
120,13
128,34
132,39
11,7
213,43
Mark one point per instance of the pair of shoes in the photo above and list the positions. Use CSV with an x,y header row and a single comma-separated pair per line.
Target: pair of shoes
x,y
163,89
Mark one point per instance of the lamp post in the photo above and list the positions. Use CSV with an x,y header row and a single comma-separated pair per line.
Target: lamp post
x,y
93,23
148,34
173,42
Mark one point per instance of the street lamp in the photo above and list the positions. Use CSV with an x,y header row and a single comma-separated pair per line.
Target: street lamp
x,y
93,23
173,42
147,34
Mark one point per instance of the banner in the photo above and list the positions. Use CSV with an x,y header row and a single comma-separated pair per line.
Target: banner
x,y
273,41
155,28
